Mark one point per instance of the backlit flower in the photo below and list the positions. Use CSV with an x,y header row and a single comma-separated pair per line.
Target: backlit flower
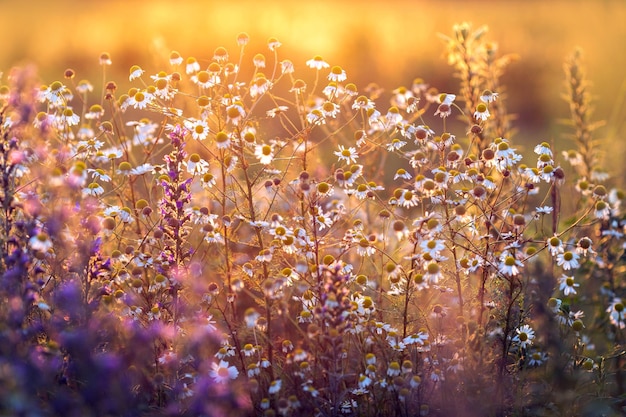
x,y
348,155
135,72
525,336
222,372
567,285
317,62
509,265
617,313
488,96
337,74
40,242
482,112
264,153
192,66
567,260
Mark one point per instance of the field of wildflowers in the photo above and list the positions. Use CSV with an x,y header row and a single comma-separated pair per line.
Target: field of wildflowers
x,y
237,238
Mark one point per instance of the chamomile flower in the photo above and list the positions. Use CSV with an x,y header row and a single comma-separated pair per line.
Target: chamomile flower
x,y
543,149
445,98
330,109
567,285
617,313
433,247
317,62
69,117
222,139
142,169
443,110
395,145
567,260
432,273
537,358
276,110
235,112
286,67
482,112
222,372
55,93
602,210
175,58
402,173
393,369
488,96
94,189
40,242
525,335
583,246
509,265
140,100
264,153
199,128
275,386
337,74
135,72
423,132
544,210
197,165
348,155
555,245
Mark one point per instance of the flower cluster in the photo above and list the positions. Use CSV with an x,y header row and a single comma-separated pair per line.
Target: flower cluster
x,y
209,242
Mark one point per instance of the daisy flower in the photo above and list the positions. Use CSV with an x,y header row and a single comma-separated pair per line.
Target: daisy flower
x,y
142,169
348,155
40,242
337,74
222,372
197,165
94,189
543,149
199,128
444,110
567,285
140,100
286,67
537,358
175,58
223,140
482,112
544,210
432,247
617,314
264,154
568,260
330,109
317,62
583,246
135,72
393,369
509,265
555,245
275,386
420,338
433,272
402,173
525,335
602,210
364,248
488,96
276,110
68,116
192,65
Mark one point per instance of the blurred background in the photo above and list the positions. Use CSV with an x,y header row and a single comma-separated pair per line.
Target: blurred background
x,y
388,42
